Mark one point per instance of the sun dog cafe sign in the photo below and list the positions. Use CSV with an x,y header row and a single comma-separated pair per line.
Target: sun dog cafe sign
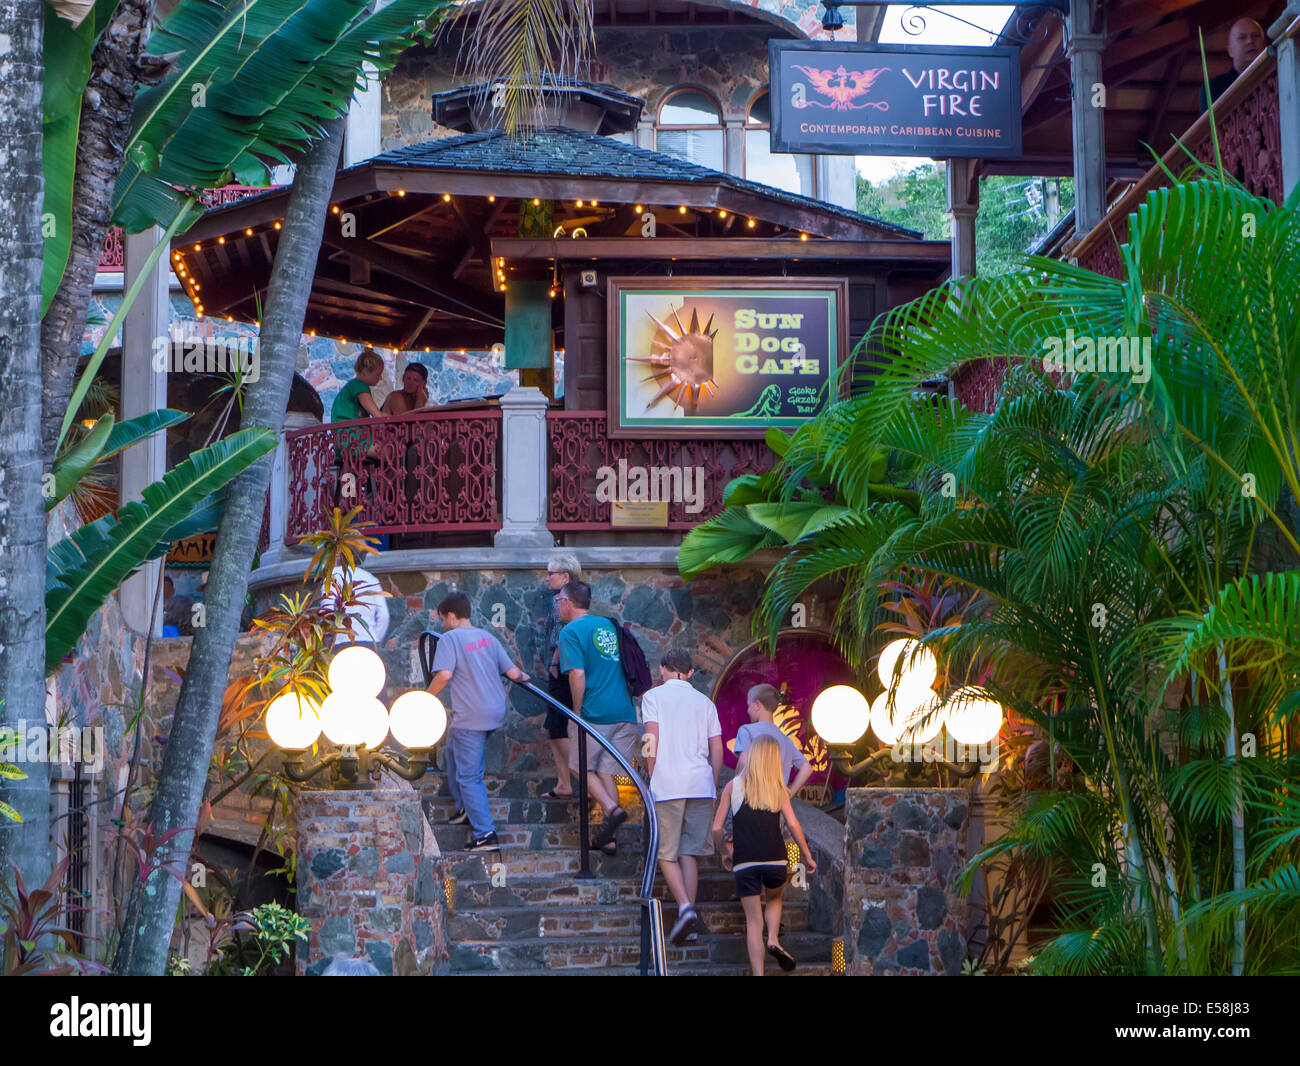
x,y
721,357
881,99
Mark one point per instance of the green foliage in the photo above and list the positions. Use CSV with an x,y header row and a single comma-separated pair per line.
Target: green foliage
x,y
263,938
83,569
253,85
1015,213
1107,527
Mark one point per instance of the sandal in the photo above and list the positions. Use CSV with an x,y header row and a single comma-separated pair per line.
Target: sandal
x,y
608,828
610,849
784,959
553,795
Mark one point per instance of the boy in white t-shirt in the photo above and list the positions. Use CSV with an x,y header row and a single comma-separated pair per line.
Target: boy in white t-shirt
x,y
684,752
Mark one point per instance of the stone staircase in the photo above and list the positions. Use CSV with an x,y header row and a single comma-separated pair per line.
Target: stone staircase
x,y
521,910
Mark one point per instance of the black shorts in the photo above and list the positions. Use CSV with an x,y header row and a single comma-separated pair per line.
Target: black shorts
x,y
753,879
557,725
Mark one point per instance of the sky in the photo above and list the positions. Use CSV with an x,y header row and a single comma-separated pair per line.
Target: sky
x,y
939,29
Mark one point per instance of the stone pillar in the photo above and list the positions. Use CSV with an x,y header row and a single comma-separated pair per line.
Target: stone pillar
x,y
645,133
143,390
963,207
524,456
1088,120
1288,94
903,851
370,882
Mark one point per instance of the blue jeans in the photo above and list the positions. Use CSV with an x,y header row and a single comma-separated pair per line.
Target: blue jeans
x,y
465,776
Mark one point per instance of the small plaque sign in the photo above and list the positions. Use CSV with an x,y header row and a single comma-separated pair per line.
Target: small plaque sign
x,y
638,514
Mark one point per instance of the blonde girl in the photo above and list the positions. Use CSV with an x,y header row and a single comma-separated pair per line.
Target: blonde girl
x,y
757,799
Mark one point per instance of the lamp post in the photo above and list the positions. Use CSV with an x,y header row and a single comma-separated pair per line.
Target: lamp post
x,y
354,718
909,712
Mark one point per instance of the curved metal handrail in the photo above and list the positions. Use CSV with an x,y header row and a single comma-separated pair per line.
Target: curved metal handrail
x,y
653,960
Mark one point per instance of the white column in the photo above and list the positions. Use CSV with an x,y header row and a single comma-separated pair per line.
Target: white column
x,y
364,115
645,133
963,206
281,478
734,146
1288,93
143,390
837,180
523,477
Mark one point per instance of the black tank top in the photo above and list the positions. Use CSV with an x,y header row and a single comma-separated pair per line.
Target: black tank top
x,y
757,836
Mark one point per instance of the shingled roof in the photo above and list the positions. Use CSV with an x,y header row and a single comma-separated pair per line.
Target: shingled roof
x,y
572,153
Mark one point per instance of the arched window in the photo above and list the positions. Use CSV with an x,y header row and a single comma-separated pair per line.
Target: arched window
x,y
690,127
793,173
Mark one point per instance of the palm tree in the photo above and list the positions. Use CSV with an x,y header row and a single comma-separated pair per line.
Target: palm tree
x,y
1103,520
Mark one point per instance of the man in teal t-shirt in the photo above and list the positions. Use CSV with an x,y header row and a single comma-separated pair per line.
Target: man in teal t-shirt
x,y
589,655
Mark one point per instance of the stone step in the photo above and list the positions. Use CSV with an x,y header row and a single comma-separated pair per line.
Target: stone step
x,y
725,918
549,837
602,951
505,788
691,970
469,893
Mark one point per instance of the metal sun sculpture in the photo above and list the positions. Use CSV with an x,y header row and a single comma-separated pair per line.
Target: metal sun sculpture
x,y
683,368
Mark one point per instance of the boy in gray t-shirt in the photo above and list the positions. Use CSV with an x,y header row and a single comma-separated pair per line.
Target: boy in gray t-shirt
x,y
471,661
762,705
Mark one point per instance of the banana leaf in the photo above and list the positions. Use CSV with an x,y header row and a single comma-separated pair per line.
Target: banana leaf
x,y
85,568
255,81
74,464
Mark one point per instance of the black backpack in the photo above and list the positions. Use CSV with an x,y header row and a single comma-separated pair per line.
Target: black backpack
x,y
635,668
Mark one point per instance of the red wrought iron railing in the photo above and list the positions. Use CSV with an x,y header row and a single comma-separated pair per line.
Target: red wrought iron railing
x,y
112,257
1246,117
580,449
435,471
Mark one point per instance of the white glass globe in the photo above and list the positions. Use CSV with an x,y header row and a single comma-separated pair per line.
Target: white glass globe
x,y
918,672
357,671
293,720
417,720
924,720
840,714
350,719
973,716
374,723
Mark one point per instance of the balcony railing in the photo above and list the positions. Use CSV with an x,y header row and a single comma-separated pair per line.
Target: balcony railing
x,y
112,257
1246,117
440,472
580,449
418,473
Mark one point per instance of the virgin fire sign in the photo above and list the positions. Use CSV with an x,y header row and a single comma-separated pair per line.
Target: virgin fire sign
x,y
883,99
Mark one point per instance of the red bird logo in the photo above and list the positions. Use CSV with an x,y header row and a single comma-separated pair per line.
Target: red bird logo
x,y
842,86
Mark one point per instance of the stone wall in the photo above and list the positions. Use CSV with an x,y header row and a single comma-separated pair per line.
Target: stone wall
x,y
903,852
711,617
370,882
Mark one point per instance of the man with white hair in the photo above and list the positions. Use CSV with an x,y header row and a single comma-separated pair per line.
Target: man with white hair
x,y
1246,42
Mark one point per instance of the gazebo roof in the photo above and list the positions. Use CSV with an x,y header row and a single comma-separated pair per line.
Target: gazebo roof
x,y
412,267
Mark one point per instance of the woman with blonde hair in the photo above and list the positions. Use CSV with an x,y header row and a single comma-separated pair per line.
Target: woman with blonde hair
x,y
757,799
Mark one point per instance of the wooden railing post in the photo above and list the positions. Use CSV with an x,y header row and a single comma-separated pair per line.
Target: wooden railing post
x,y
523,474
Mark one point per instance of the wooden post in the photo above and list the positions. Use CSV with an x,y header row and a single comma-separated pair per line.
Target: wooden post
x,y
963,207
1087,113
1288,95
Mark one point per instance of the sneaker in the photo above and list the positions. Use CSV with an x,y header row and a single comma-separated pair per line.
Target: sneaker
x,y
459,818
686,923
487,842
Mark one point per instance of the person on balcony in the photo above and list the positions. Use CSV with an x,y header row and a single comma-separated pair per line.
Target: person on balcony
x,y
354,400
471,661
684,751
1246,42
563,568
414,393
589,656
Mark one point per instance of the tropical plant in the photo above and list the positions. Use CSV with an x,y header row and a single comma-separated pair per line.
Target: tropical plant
x,y
34,936
272,932
1113,521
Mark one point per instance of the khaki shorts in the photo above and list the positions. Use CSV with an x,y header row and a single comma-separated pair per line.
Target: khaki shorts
x,y
623,735
684,827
